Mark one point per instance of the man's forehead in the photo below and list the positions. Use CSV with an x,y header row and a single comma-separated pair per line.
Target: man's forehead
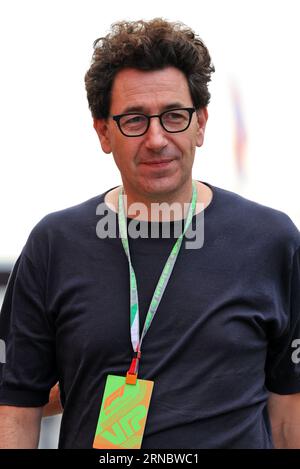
x,y
167,87
164,106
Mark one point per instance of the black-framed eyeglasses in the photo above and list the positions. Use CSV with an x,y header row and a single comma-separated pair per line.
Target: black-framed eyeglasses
x,y
135,124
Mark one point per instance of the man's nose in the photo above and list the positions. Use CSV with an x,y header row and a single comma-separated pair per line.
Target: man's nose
x,y
156,137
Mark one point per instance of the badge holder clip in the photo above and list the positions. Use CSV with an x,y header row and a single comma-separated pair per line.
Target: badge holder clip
x,y
132,373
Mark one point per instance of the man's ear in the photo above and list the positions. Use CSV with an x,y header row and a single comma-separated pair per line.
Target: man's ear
x,y
202,116
101,127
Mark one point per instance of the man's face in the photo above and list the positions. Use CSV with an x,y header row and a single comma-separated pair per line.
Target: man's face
x,y
157,162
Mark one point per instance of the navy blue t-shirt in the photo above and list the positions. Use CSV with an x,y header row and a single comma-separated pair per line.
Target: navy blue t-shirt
x,y
223,336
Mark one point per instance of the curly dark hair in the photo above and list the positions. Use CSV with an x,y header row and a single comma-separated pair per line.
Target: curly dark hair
x,y
147,45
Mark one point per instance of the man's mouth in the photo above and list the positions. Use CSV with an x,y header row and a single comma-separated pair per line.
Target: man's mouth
x,y
158,163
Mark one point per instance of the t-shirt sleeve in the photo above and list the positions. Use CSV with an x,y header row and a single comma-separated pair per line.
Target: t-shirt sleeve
x,y
29,370
283,358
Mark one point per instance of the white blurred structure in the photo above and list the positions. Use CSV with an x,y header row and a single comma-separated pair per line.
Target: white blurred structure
x,y
50,432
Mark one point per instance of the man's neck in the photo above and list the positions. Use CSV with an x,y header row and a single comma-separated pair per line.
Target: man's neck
x,y
159,207
204,197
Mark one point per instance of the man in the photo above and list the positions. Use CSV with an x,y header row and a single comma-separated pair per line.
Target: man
x,y
224,336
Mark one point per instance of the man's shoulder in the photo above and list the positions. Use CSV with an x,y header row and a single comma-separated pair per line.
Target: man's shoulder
x,y
68,220
260,219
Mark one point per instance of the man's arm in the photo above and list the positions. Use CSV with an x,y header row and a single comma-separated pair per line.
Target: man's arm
x,y
20,427
54,406
284,412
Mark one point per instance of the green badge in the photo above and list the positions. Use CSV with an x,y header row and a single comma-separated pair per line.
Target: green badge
x,y
123,414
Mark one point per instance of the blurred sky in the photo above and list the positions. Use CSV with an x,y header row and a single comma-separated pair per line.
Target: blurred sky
x,y
50,155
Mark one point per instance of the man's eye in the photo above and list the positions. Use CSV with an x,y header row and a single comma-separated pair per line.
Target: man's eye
x,y
134,120
174,116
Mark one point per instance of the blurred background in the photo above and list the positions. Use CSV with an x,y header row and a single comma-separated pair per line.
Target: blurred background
x,y
50,157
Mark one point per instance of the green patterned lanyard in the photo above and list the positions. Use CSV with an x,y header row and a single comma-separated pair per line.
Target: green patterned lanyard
x,y
161,285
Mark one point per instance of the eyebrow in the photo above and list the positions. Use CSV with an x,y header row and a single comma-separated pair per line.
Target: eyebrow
x,y
142,108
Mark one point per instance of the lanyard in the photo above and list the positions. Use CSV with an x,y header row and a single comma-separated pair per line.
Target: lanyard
x,y
161,285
